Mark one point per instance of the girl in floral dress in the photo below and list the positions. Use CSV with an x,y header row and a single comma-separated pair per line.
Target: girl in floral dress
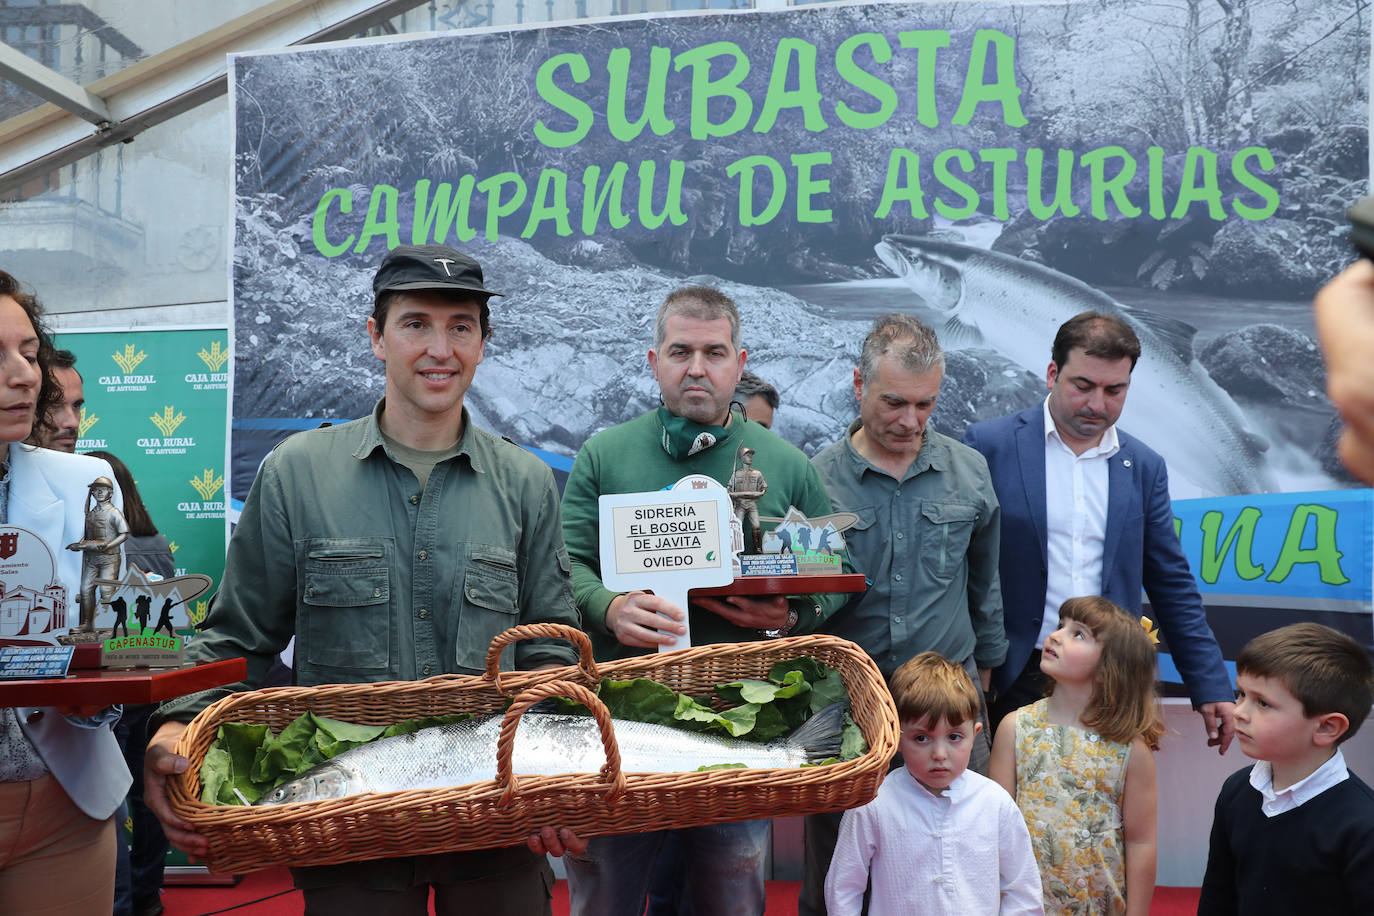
x,y
1079,762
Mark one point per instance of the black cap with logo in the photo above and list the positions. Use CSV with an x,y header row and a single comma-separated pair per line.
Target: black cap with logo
x,y
430,267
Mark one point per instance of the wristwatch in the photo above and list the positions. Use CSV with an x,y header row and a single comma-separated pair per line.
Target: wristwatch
x,y
785,628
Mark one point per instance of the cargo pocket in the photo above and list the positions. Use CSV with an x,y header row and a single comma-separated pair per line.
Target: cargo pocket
x,y
489,598
346,599
944,540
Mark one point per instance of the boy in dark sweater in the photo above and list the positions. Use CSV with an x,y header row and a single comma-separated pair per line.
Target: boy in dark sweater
x,y
1295,832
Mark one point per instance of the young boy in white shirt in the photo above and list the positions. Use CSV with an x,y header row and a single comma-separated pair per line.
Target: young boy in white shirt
x,y
939,839
1295,832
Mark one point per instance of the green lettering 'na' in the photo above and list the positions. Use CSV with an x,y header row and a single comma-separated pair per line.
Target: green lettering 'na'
x,y
1241,534
1323,552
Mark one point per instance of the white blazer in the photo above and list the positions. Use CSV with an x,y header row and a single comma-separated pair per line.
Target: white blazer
x,y
48,491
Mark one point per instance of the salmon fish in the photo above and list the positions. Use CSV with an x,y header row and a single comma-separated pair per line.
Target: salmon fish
x,y
1014,306
547,744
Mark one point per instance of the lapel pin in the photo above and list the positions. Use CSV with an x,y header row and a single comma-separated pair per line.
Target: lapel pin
x,y
1125,462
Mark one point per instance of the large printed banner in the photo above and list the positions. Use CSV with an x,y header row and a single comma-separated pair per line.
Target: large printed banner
x,y
1262,561
157,400
992,168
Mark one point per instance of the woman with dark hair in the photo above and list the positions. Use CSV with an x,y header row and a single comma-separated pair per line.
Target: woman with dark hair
x,y
61,775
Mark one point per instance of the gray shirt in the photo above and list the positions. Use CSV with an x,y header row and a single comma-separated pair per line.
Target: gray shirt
x,y
928,545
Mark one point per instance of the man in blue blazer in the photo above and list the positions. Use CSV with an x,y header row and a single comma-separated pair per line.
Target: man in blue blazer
x,y
1086,510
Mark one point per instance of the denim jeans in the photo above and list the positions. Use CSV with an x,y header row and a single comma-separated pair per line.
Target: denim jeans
x,y
722,865
668,894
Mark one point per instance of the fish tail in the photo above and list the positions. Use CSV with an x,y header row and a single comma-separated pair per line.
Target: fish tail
x,y
819,737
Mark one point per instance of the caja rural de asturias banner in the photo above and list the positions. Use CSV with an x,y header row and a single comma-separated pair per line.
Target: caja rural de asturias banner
x,y
158,400
991,168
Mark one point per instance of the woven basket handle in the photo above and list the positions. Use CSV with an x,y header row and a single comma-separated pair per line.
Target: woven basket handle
x,y
505,744
585,661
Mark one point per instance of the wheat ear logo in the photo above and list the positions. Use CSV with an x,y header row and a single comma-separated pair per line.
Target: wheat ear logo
x,y
168,420
87,421
173,546
198,610
216,357
207,484
128,360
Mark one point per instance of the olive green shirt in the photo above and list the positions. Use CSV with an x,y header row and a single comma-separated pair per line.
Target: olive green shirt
x,y
379,579
927,545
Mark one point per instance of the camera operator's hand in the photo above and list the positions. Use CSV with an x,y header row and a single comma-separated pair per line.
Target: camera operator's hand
x,y
1345,325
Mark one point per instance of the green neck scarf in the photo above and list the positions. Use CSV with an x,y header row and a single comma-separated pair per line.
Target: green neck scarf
x,y
683,437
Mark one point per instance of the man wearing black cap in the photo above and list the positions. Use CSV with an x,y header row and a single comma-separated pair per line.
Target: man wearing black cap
x,y
393,548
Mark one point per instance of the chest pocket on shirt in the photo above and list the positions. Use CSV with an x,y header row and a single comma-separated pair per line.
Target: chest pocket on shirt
x,y
346,597
488,594
945,532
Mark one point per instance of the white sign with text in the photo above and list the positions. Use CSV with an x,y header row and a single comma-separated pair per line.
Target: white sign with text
x,y
668,541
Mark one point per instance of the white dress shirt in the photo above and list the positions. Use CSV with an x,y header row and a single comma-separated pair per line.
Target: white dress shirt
x,y
1329,774
963,853
1075,519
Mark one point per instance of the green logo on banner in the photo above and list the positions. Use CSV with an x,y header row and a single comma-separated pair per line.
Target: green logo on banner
x,y
207,484
215,358
168,421
160,406
129,360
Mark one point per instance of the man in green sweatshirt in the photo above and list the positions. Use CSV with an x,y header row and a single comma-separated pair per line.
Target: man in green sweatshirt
x,y
696,360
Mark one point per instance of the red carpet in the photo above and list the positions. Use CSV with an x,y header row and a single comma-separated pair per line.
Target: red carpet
x,y
269,893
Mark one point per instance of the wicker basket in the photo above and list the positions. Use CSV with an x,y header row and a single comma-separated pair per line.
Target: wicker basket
x,y
505,811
